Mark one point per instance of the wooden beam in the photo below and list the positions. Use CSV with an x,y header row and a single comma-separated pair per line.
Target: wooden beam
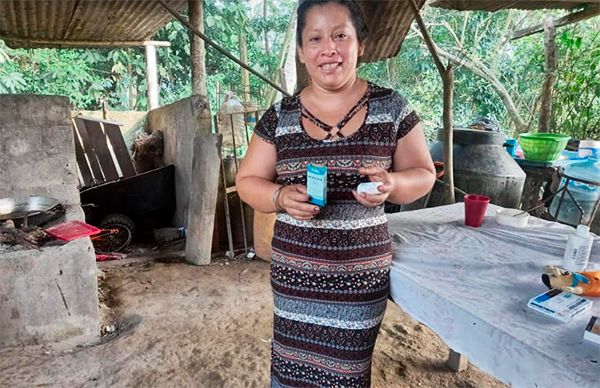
x,y
85,43
560,22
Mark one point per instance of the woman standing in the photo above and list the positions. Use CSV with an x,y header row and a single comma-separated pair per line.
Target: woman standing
x,y
330,265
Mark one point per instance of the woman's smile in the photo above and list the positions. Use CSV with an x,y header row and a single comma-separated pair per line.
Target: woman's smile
x,y
330,46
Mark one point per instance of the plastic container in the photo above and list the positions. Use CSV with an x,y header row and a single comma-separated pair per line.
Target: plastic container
x,y
579,246
511,145
482,166
543,147
475,207
586,195
72,230
512,217
369,188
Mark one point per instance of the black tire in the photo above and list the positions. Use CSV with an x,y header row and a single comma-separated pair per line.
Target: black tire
x,y
118,241
118,219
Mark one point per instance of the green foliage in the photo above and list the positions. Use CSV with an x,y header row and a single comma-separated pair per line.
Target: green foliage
x,y
226,20
576,110
118,75
518,65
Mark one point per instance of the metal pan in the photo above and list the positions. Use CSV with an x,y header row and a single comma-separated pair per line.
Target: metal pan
x,y
21,208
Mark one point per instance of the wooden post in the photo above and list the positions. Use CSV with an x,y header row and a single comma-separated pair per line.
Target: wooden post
x,y
447,75
203,198
546,95
152,77
282,80
302,79
448,81
197,51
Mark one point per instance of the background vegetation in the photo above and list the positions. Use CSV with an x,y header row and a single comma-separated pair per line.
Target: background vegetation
x,y
477,39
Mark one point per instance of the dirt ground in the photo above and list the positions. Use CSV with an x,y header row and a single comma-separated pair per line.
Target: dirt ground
x,y
170,324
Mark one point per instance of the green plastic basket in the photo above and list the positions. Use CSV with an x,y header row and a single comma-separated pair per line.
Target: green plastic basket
x,y
543,147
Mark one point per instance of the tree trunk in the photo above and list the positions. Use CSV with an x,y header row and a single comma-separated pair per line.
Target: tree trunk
x,y
266,29
448,81
245,73
287,39
447,75
197,51
550,50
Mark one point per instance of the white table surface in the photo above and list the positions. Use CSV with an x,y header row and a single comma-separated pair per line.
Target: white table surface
x,y
471,286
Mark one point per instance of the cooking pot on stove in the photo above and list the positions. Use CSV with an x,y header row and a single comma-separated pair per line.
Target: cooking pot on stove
x,y
26,210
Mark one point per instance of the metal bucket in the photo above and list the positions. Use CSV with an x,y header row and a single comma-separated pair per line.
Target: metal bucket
x,y
482,166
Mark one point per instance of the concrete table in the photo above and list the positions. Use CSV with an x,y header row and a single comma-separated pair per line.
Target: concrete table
x,y
471,286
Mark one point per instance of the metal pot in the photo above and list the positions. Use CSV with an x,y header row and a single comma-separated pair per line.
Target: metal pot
x,y
20,209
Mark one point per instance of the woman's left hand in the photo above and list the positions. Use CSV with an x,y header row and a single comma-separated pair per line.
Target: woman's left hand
x,y
375,174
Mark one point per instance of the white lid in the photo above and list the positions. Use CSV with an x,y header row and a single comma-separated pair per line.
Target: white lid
x,y
583,230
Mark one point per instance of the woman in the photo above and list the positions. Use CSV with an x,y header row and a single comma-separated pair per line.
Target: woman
x,y
330,265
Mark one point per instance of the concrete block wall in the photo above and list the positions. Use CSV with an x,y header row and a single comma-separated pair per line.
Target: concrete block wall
x,y
36,148
181,122
49,295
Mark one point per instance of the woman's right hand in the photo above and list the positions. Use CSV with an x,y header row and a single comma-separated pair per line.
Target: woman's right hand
x,y
294,200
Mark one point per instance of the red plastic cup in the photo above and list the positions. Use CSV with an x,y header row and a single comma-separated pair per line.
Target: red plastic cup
x,y
475,207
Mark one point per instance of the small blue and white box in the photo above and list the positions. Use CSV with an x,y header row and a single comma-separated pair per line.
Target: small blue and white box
x,y
558,304
316,184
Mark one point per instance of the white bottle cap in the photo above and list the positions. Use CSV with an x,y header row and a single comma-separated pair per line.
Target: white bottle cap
x,y
583,230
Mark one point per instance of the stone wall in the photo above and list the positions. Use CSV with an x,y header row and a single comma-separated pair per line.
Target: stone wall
x,y
49,295
181,122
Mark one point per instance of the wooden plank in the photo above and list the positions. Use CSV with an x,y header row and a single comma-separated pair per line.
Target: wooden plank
x,y
90,118
88,149
589,12
98,141
113,132
82,164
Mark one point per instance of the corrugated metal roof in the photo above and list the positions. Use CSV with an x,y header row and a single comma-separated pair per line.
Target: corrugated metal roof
x,y
494,5
388,22
55,23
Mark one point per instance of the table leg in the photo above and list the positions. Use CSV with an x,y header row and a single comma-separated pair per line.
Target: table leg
x,y
457,361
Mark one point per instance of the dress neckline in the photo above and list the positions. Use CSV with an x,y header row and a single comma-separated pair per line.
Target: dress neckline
x,y
363,101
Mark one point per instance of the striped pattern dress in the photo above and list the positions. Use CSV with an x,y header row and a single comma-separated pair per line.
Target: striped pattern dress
x,y
330,274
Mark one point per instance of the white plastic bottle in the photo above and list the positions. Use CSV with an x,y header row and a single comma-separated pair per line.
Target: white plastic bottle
x,y
579,246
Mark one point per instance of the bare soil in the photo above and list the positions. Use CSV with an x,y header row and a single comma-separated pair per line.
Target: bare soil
x,y
169,324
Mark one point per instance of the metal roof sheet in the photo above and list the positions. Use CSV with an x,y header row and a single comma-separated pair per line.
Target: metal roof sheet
x,y
494,5
388,22
75,23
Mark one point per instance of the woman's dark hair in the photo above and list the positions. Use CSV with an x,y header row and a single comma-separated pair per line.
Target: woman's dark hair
x,y
356,16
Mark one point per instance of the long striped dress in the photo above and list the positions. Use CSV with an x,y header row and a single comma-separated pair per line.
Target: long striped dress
x,y
330,274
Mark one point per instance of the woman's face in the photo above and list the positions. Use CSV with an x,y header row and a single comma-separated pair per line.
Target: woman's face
x,y
330,46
